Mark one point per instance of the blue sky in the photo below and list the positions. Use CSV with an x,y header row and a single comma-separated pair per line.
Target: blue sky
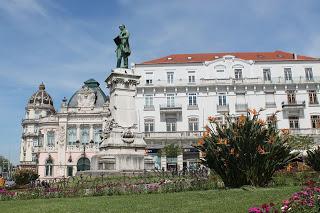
x,y
65,42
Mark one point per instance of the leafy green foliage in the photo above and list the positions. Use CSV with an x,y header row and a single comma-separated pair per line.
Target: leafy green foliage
x,y
313,159
170,151
245,151
25,176
300,142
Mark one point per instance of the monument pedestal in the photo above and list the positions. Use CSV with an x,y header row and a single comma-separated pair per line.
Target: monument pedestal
x,y
122,147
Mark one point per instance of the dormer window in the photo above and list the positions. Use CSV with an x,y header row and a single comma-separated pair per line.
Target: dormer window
x,y
238,73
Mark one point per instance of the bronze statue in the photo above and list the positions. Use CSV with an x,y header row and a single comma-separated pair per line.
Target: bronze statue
x,y
123,48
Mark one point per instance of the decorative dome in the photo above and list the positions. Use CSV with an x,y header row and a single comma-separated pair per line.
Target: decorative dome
x,y
41,99
90,95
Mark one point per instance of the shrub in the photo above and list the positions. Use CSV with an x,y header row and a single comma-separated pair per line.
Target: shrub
x,y
313,159
25,176
245,150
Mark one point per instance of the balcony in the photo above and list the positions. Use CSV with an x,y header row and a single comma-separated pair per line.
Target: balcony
x,y
29,134
305,131
241,107
293,105
271,105
173,135
223,108
170,108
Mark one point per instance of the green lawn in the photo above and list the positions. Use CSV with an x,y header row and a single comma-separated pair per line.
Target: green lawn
x,y
233,200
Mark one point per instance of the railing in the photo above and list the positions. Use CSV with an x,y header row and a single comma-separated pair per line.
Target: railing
x,y
241,107
89,148
183,134
305,131
223,108
171,107
198,134
45,148
294,104
233,81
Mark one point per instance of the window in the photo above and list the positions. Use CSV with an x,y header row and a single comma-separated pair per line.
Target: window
x,y
219,120
270,101
191,77
70,171
222,100
193,124
72,135
40,142
313,97
192,99
287,74
309,74
272,121
50,138
149,77
294,122
171,125
149,125
96,134
315,121
34,157
238,73
84,134
291,94
170,100
170,77
35,142
266,75
49,167
148,100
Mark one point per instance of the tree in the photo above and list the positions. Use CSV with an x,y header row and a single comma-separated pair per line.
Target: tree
x,y
245,150
5,164
170,151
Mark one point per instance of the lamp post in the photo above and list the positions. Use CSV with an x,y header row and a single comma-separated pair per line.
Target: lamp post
x,y
78,144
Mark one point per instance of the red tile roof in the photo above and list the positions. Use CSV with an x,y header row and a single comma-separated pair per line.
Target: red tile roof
x,y
255,56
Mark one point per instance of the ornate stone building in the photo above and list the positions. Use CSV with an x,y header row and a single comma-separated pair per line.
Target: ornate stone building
x,y
58,144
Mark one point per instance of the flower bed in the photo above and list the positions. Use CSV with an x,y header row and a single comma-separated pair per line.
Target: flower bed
x,y
306,200
88,186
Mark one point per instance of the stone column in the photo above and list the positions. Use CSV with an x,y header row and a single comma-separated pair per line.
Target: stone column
x,y
78,132
91,133
163,163
180,162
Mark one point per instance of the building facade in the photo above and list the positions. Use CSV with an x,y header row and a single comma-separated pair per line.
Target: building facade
x,y
175,96
177,93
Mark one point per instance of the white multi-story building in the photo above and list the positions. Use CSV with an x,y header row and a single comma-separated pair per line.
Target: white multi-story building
x,y
175,96
178,92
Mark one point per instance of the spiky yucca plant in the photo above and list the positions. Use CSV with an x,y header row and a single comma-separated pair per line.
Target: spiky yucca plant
x,y
245,150
313,159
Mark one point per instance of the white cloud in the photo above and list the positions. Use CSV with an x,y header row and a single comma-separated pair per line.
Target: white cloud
x,y
21,8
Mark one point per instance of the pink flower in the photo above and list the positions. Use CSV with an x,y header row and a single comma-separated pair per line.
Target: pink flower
x,y
255,210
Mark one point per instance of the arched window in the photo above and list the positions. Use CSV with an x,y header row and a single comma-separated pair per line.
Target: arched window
x,y
83,164
49,167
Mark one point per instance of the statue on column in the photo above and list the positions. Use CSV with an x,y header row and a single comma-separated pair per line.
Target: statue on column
x,y
123,48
